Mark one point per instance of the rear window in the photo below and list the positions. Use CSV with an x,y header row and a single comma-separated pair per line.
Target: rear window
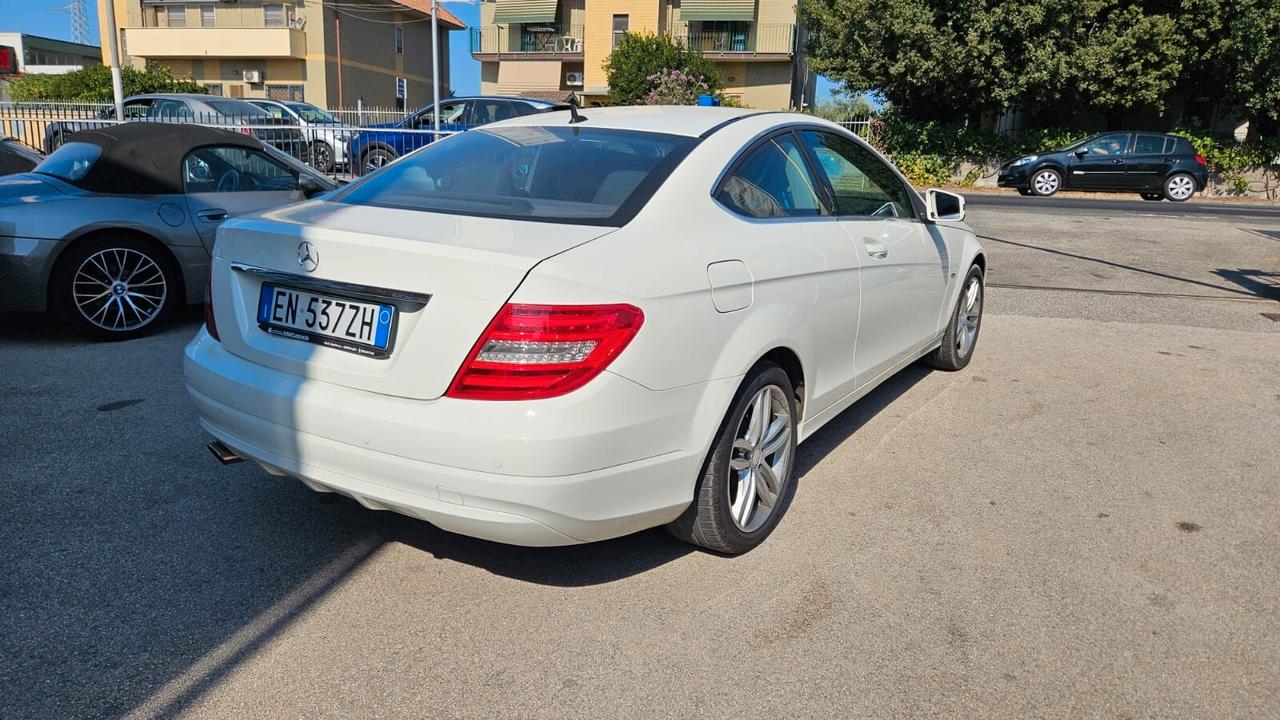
x,y
551,174
71,162
236,109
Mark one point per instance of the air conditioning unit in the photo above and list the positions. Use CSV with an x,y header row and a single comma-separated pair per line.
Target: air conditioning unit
x,y
573,78
251,76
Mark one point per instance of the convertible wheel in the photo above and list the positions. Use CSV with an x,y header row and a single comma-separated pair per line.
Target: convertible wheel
x,y
962,332
114,288
1180,187
1046,182
748,479
322,156
1152,196
375,159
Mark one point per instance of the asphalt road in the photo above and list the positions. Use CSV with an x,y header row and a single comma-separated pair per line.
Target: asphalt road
x,y
1081,524
1102,206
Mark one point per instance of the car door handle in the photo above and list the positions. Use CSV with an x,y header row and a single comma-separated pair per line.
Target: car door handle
x,y
215,215
876,250
1116,162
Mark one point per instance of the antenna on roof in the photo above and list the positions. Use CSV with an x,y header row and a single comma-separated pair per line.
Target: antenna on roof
x,y
574,116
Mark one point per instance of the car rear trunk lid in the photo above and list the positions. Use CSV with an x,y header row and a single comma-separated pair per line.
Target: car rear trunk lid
x,y
468,266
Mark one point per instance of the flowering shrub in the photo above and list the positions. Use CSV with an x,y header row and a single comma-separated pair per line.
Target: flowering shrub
x,y
674,87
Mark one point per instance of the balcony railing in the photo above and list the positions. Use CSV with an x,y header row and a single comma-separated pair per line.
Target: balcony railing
x,y
535,39
746,39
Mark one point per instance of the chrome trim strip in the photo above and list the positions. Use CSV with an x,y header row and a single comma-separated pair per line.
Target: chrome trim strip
x,y
341,288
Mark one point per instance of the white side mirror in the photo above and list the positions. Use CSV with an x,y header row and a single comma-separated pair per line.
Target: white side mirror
x,y
943,206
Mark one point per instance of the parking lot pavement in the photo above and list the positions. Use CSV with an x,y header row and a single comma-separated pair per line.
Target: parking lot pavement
x,y
1081,524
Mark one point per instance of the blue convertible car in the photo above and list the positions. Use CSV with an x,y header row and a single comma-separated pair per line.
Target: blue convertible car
x,y
377,145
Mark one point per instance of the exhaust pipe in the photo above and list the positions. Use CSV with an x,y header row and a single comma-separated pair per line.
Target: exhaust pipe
x,y
225,455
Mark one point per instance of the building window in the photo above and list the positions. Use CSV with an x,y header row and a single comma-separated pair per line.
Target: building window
x,y
214,89
206,16
620,25
399,41
277,15
175,16
285,93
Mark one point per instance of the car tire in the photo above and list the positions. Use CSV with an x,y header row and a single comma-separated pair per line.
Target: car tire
x,y
374,159
1026,192
961,336
1179,187
741,460
322,156
115,288
1154,197
1046,182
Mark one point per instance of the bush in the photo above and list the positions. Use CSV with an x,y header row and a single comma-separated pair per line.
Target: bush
x,y
93,84
672,87
641,57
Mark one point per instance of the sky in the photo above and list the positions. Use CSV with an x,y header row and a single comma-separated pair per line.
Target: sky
x,y
41,17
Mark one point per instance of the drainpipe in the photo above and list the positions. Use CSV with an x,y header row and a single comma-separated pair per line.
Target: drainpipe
x,y
337,33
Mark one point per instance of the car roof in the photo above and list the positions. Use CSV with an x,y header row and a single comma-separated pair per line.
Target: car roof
x,y
691,121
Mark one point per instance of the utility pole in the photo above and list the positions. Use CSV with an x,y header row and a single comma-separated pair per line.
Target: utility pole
x,y
435,71
113,43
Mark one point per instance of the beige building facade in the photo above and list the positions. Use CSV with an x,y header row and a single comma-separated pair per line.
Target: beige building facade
x,y
332,53
557,47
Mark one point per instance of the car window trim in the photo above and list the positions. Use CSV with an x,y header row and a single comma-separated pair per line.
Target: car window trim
x,y
824,210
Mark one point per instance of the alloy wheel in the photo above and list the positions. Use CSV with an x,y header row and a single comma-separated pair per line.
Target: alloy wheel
x,y
760,460
969,316
1046,183
119,289
375,161
1181,187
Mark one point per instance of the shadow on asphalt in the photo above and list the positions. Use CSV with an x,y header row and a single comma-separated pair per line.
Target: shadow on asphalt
x,y
140,573
1265,285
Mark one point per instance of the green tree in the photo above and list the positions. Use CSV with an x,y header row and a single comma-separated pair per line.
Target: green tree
x,y
948,59
843,106
93,84
1232,58
635,67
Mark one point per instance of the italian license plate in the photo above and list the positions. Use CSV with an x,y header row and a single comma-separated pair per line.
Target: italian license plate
x,y
342,323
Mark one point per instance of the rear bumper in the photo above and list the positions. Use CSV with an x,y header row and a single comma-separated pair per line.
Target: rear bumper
x,y
525,473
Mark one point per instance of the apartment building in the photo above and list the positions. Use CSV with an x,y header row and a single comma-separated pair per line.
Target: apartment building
x,y
331,53
34,55
553,48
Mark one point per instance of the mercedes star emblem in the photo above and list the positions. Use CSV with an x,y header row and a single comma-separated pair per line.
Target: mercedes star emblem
x,y
308,256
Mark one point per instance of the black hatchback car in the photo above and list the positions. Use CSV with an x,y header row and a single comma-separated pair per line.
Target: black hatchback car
x,y
1154,165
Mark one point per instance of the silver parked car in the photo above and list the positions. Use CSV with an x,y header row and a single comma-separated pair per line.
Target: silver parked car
x,y
326,136
114,229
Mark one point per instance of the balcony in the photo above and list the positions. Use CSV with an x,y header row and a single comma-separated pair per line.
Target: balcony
x,y
738,40
535,41
216,42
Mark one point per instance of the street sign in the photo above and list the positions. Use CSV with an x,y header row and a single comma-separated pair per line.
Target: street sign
x,y
8,60
402,88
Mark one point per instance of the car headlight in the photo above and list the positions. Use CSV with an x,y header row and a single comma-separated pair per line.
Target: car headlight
x,y
1024,160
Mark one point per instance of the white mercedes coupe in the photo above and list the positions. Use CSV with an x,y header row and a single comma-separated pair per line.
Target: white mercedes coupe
x,y
572,326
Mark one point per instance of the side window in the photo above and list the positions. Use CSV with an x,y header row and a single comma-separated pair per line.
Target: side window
x,y
772,181
520,109
451,112
863,184
487,111
1114,144
1149,145
274,111
170,110
234,169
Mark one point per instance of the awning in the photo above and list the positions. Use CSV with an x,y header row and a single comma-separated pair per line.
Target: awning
x,y
716,9
524,11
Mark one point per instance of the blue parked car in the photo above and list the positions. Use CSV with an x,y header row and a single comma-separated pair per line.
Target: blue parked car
x,y
377,145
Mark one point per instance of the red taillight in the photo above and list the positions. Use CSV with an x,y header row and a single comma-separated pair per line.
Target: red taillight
x,y
530,352
1200,159
245,131
209,323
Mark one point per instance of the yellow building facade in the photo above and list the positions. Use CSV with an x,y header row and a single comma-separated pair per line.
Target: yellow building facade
x,y
328,53
550,48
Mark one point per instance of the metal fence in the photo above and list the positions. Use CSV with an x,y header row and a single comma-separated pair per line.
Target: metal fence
x,y
858,126
349,148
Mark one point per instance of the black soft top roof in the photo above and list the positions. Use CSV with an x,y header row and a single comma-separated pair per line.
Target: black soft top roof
x,y
146,158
